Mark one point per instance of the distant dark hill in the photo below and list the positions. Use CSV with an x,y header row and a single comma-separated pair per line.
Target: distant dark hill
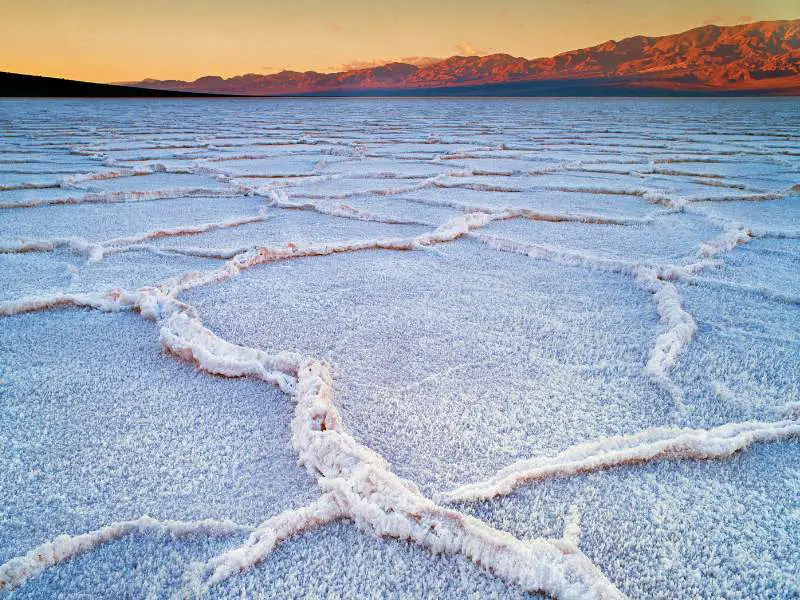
x,y
752,59
28,86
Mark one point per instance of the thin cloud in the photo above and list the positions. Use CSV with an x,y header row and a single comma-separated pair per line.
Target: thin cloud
x,y
470,49
268,70
418,61
717,19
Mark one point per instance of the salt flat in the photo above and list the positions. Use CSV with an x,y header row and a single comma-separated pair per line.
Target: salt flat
x,y
403,348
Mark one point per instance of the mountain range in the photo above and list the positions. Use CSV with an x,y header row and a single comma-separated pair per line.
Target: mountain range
x,y
757,58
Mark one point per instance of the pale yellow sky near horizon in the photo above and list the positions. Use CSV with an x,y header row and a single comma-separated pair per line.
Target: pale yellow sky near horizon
x,y
110,40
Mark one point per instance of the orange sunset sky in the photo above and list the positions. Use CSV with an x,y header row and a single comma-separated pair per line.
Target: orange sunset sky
x,y
110,40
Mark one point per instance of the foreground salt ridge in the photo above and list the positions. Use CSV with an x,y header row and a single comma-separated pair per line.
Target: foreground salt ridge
x,y
17,571
680,326
661,443
360,486
503,213
184,335
278,199
95,251
123,196
78,181
449,231
113,301
27,186
263,540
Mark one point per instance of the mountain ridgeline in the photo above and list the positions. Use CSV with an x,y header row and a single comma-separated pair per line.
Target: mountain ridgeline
x,y
757,58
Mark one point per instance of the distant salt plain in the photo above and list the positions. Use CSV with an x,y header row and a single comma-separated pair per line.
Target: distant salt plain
x,y
400,348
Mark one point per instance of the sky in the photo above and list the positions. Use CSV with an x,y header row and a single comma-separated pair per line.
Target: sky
x,y
113,41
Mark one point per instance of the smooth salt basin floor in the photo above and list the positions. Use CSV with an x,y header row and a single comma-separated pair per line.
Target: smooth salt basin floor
x,y
342,561
452,361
